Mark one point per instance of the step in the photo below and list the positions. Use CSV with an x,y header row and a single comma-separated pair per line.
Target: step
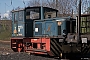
x,y
13,47
14,43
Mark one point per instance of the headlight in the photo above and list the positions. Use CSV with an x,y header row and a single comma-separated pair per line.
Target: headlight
x,y
59,23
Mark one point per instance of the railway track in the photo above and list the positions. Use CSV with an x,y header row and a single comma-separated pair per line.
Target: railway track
x,y
23,56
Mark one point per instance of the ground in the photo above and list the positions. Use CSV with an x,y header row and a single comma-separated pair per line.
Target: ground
x,y
7,54
5,47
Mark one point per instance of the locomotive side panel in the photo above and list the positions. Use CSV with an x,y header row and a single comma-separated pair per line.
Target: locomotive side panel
x,y
49,27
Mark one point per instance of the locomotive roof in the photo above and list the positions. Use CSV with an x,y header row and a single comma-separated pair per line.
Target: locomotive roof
x,y
40,7
18,10
35,7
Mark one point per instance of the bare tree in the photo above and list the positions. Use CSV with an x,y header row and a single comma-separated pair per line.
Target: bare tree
x,y
65,7
34,3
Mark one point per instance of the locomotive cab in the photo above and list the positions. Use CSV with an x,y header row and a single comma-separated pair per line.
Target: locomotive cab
x,y
37,13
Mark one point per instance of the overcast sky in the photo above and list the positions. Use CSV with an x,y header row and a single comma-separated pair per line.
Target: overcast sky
x,y
7,5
